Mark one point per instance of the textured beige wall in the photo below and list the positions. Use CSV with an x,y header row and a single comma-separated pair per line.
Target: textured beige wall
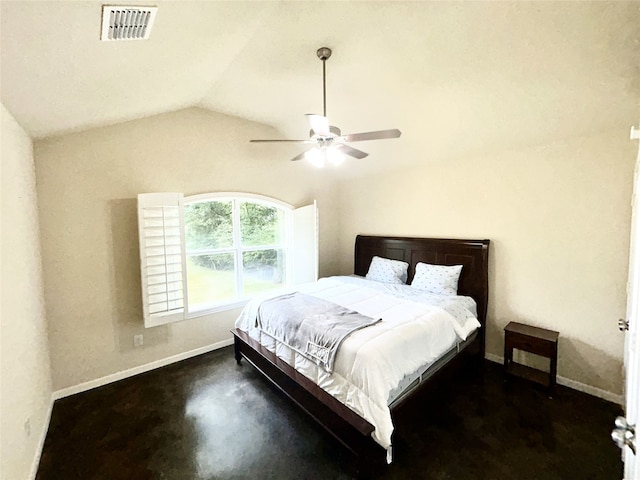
x,y
25,395
87,188
558,217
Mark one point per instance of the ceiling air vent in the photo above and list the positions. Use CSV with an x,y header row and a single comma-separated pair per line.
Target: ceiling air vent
x,y
121,22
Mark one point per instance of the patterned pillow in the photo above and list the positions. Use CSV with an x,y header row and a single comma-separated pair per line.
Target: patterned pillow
x,y
439,279
387,271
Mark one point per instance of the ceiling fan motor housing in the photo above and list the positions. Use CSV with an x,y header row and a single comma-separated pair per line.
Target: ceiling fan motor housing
x,y
334,132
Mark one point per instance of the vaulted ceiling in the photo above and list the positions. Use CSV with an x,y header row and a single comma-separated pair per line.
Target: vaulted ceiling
x,y
455,77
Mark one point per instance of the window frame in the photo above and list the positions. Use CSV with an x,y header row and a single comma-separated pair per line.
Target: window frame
x,y
237,249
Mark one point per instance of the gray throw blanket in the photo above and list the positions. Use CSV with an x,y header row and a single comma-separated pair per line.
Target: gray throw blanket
x,y
312,326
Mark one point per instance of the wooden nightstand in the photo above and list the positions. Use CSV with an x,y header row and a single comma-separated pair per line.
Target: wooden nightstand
x,y
534,340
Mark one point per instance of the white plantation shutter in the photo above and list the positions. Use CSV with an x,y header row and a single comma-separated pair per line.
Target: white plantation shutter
x,y
162,258
304,254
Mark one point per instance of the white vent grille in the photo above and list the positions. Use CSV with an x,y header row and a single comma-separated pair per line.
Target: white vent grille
x,y
120,22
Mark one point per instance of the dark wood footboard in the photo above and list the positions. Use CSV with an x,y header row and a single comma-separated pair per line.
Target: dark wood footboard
x,y
350,429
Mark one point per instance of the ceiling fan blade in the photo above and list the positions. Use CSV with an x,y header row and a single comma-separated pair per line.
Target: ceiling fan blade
x,y
354,152
319,124
377,135
278,140
299,157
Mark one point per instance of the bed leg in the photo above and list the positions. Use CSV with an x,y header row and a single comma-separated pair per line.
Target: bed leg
x,y
236,350
478,362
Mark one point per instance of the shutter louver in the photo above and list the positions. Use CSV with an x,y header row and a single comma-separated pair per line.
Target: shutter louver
x,y
162,259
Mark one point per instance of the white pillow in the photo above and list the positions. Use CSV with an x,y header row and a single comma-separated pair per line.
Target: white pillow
x,y
387,270
439,279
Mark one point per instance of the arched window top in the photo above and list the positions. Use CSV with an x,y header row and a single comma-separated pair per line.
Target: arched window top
x,y
252,197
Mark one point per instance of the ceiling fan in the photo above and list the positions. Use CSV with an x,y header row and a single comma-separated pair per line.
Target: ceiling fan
x,y
329,144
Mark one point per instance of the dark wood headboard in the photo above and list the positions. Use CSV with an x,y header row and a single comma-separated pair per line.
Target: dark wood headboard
x,y
473,255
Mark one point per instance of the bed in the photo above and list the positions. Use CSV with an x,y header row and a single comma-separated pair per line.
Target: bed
x,y
358,424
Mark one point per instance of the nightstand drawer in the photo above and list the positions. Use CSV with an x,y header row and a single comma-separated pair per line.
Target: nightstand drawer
x,y
530,344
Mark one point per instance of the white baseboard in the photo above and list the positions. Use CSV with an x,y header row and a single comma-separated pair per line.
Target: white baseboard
x,y
43,435
114,377
567,382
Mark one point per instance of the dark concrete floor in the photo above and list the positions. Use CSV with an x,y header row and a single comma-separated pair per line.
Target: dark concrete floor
x,y
207,418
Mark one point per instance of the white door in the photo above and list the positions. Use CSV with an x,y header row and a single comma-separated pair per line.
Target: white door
x,y
624,433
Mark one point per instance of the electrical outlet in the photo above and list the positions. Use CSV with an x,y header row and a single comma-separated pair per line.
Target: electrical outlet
x,y
27,427
138,340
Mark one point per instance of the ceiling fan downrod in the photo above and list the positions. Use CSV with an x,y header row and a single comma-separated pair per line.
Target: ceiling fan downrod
x,y
323,54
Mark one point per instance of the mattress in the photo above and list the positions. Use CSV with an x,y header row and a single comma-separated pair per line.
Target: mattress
x,y
376,364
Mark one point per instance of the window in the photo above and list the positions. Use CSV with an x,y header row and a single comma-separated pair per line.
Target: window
x,y
235,246
212,252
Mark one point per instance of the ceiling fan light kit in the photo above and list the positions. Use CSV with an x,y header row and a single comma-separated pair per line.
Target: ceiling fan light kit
x,y
330,146
319,157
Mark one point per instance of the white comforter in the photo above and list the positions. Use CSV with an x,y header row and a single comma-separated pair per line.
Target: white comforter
x,y
371,362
